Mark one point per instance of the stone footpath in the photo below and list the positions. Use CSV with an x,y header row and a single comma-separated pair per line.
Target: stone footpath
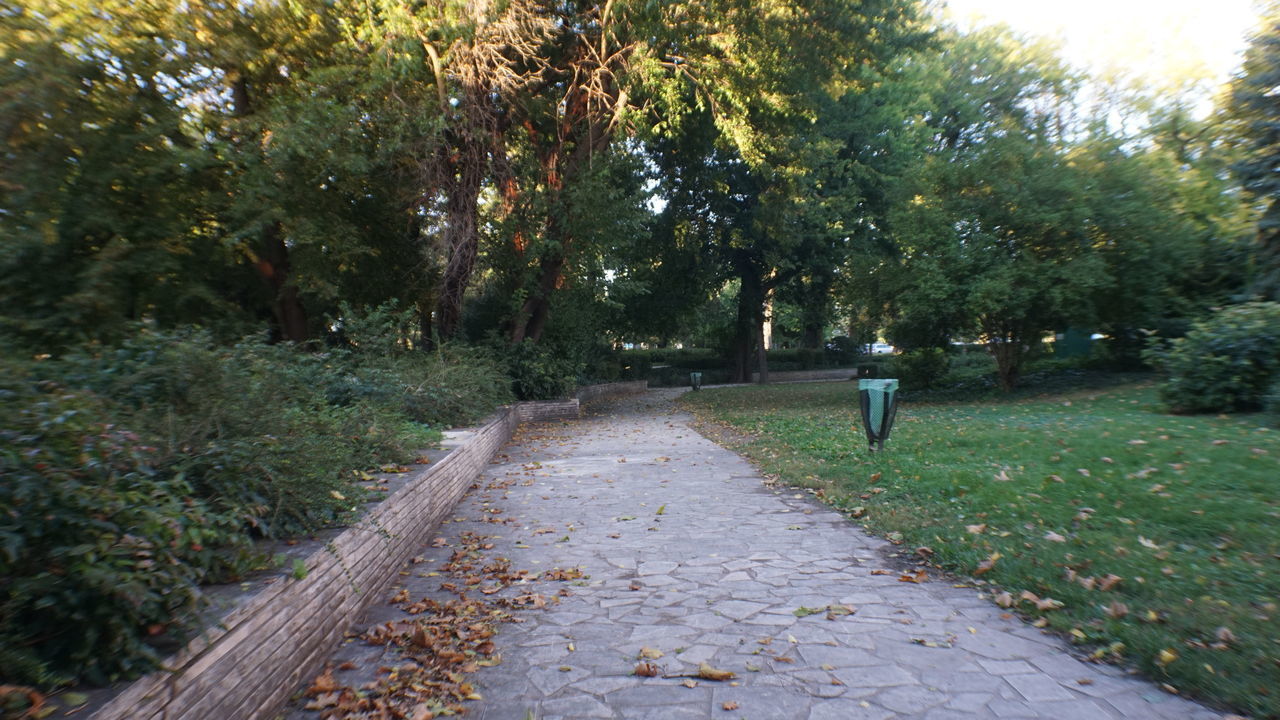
x,y
687,552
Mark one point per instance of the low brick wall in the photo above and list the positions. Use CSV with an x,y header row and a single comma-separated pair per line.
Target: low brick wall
x,y
247,666
588,393
808,375
548,410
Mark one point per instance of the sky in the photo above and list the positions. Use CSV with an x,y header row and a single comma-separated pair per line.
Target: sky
x,y
1156,42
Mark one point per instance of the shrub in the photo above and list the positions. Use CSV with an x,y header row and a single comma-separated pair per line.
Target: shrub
x,y
1224,363
538,374
99,550
919,369
133,475
1271,402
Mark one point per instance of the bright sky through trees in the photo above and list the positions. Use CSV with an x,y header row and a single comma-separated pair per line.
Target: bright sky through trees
x,y
1162,44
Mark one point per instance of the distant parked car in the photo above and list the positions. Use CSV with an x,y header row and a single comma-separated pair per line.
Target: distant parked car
x,y
882,349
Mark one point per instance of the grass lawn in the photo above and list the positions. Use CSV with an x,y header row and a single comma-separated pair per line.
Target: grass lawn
x,y
1146,538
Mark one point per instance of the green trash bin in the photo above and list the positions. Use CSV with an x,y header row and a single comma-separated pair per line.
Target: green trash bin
x,y
879,401
695,380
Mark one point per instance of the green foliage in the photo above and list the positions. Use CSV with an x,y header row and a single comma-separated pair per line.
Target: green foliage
x,y
1182,519
920,369
100,548
134,475
538,374
1226,362
1253,115
1271,401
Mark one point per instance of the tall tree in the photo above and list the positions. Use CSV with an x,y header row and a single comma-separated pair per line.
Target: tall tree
x,y
1255,114
993,239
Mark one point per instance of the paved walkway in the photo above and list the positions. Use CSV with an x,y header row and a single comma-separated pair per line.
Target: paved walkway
x,y
686,552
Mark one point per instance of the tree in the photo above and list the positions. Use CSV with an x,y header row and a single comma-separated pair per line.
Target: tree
x,y
992,238
1254,111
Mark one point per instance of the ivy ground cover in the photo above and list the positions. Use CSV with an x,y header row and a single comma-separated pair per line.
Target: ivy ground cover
x,y
1144,538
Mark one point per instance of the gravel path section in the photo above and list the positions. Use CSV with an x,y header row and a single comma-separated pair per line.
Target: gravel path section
x,y
687,552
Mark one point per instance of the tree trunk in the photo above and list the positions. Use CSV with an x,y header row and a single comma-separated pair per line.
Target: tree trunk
x,y
461,236
762,354
749,328
1008,356
290,316
531,321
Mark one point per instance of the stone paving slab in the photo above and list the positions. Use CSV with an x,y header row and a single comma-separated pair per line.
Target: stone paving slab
x,y
688,552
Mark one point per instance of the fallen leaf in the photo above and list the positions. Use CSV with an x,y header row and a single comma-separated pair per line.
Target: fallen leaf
x,y
689,683
650,653
1004,600
835,611
324,682
706,672
1052,536
1166,656
988,564
1046,604
1108,581
645,669
1144,542
729,705
975,529
919,576
1117,609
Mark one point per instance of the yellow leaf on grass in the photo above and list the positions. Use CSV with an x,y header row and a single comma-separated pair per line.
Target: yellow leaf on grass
x,y
987,564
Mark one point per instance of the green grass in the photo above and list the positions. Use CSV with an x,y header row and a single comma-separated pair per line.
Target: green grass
x,y
1186,510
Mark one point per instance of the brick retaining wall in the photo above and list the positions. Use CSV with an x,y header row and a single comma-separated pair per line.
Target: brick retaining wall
x,y
588,393
808,375
261,651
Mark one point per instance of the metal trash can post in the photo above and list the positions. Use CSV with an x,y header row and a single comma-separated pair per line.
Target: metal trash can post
x,y
695,380
879,403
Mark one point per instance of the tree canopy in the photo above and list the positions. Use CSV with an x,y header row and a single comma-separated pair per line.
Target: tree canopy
x,y
579,175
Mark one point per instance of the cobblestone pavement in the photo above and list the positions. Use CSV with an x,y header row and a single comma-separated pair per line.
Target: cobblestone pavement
x,y
687,552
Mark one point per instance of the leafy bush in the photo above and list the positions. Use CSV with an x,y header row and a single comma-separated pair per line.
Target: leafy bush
x,y
922,368
99,550
133,475
1224,363
538,374
1271,402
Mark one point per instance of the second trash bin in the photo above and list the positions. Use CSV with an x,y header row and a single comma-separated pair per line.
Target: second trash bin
x,y
879,402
